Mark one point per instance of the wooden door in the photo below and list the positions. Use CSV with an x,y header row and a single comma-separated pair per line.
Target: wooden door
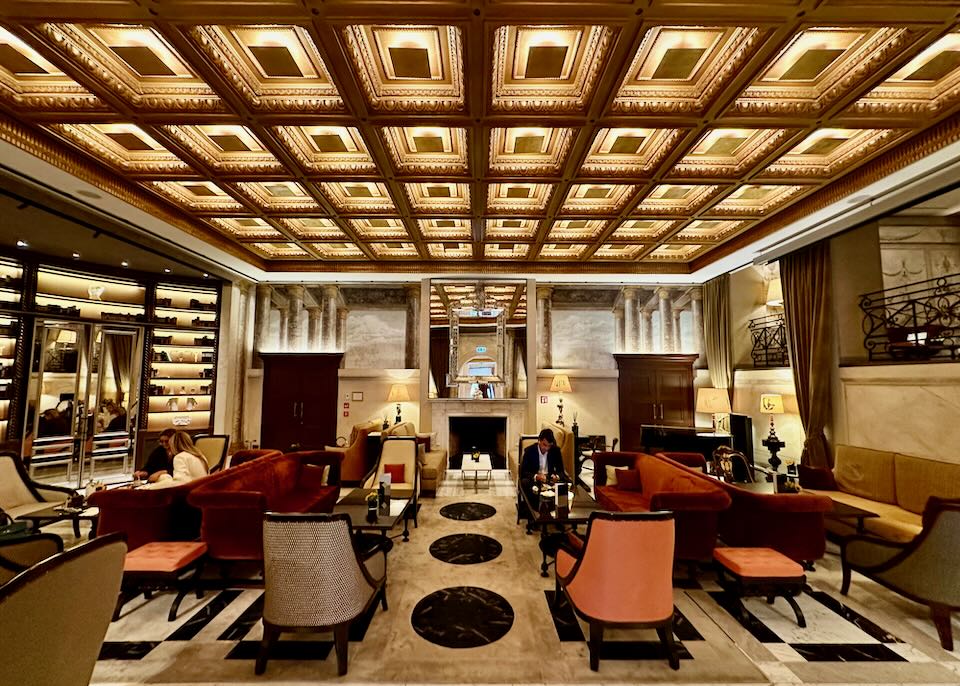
x,y
318,400
653,389
279,415
675,394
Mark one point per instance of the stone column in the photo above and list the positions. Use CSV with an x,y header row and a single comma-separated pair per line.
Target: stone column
x,y
544,328
411,356
618,329
284,320
341,333
666,321
696,306
331,296
677,338
631,327
313,328
294,310
646,331
261,326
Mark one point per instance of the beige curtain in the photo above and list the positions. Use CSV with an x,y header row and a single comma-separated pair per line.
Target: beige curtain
x,y
716,330
806,302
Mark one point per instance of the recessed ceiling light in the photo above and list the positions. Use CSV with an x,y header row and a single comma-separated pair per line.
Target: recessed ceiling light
x,y
22,243
166,270
89,194
124,264
76,255
206,276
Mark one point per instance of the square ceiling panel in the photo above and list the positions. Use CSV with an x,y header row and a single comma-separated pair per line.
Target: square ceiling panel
x,y
728,153
338,251
197,196
709,231
563,251
227,148
279,196
826,152
427,149
394,251
313,228
408,68
358,196
508,198
439,197
756,200
505,251
136,63
126,147
511,229
597,198
818,66
274,67
380,228
246,228
629,152
522,150
680,69
327,149
29,81
925,85
450,251
643,229
547,68
445,229
576,229
676,199
278,250
675,252
619,251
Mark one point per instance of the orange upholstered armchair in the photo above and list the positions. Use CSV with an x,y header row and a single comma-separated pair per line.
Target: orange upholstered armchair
x,y
623,577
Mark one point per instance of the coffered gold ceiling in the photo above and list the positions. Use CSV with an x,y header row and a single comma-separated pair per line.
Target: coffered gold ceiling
x,y
634,136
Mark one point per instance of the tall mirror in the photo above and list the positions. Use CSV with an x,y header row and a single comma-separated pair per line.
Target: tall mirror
x,y
478,339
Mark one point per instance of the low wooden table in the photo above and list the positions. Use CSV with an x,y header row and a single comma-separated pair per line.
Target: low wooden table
x,y
58,513
484,464
844,511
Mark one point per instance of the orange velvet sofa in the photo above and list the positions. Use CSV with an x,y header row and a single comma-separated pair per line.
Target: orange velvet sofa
x,y
666,485
232,502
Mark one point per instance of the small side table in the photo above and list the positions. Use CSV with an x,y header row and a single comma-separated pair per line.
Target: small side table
x,y
160,565
760,572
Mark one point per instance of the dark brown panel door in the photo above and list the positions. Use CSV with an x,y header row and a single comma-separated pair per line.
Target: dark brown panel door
x,y
675,393
319,406
638,392
279,423
299,400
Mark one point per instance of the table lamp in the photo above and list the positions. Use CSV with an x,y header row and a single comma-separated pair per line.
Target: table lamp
x,y
716,402
560,385
771,404
398,394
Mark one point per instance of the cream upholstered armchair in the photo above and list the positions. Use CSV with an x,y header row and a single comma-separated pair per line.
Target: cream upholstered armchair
x,y
53,617
432,457
398,457
315,579
20,495
19,554
923,570
214,449
354,465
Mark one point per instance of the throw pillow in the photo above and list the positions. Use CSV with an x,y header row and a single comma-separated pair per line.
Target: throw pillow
x,y
424,440
614,473
313,476
396,472
628,479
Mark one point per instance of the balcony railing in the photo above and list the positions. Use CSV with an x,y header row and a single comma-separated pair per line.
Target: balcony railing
x,y
916,321
769,337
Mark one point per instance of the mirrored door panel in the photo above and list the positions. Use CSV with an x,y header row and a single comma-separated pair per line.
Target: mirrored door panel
x,y
114,372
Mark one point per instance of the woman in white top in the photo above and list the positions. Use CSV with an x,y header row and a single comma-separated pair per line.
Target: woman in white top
x,y
188,462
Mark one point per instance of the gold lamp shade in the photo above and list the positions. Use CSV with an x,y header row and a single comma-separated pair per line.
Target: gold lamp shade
x,y
713,401
771,403
560,384
398,394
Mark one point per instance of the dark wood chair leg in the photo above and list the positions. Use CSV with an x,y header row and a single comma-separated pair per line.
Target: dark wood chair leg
x,y
666,638
556,591
181,594
801,621
383,596
941,619
76,527
270,635
596,640
340,634
845,583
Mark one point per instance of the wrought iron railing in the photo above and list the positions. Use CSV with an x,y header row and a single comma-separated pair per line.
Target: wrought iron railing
x,y
769,337
916,321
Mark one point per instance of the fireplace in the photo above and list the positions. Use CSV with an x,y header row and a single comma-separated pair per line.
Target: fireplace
x,y
486,434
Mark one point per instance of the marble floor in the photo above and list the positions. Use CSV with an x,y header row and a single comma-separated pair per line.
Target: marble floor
x,y
468,605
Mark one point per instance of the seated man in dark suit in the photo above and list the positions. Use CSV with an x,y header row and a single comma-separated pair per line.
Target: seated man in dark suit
x,y
542,462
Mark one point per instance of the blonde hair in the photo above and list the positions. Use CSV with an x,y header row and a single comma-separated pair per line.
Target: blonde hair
x,y
181,442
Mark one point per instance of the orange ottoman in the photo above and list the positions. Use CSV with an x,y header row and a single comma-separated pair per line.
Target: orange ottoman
x,y
161,565
763,572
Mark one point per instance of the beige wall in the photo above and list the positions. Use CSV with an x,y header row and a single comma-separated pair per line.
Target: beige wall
x,y
749,385
594,398
375,385
748,295
855,269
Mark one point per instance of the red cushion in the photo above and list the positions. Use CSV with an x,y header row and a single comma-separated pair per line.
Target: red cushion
x,y
163,556
425,442
763,563
396,472
628,480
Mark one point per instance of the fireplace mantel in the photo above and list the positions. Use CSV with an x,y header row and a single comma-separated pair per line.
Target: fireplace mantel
x,y
514,409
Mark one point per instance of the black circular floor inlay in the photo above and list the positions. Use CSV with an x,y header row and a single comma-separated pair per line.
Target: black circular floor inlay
x,y
462,617
465,549
467,512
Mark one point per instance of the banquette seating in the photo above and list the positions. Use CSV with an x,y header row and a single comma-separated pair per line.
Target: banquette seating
x,y
658,484
232,502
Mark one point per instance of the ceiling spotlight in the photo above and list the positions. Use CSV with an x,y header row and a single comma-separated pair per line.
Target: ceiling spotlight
x,y
22,243
76,255
166,270
124,264
206,276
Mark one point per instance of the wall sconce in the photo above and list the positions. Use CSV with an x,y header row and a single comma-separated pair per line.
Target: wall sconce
x,y
716,402
398,394
560,385
775,292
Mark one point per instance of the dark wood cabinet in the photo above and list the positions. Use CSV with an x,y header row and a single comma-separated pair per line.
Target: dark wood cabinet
x,y
653,389
299,400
